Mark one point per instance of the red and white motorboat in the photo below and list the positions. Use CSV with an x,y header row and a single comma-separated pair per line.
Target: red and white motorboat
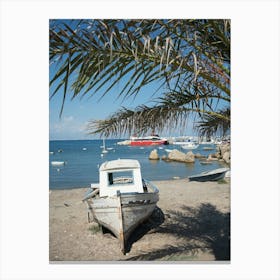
x,y
148,141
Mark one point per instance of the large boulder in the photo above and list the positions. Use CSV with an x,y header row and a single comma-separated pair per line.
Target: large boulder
x,y
223,148
224,151
226,157
176,155
154,155
190,157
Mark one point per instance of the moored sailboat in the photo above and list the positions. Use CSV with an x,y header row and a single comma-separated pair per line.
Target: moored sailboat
x,y
104,151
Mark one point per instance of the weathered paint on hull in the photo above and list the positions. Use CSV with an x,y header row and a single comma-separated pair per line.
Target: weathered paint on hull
x,y
123,214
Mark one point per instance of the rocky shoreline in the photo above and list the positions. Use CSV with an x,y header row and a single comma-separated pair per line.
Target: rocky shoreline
x,y
223,153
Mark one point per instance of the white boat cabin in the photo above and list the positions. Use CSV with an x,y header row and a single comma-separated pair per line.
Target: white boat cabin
x,y
121,175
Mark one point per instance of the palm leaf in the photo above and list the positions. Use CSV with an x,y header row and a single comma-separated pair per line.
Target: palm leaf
x,y
189,59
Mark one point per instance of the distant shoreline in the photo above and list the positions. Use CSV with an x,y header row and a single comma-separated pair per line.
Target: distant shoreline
x,y
83,158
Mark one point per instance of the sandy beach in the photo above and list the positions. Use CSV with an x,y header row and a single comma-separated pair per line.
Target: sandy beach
x,y
191,223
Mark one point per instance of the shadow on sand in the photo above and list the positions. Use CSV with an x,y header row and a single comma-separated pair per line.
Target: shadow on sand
x,y
154,221
203,228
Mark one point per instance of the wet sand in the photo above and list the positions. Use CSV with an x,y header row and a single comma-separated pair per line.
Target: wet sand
x,y
191,223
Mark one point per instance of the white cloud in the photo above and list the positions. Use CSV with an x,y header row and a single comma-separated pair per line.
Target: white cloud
x,y
68,119
68,128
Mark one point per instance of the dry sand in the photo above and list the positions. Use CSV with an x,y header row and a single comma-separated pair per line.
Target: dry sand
x,y
191,223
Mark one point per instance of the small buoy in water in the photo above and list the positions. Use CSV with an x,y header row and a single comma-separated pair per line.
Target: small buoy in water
x,y
57,169
84,149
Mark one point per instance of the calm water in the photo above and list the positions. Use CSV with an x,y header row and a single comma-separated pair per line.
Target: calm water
x,y
83,157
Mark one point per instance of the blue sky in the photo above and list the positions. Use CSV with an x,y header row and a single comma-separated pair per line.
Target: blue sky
x,y
77,112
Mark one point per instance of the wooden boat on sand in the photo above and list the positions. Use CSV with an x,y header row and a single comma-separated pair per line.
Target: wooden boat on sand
x,y
122,200
213,175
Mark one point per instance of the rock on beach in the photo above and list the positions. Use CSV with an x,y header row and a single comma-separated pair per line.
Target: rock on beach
x,y
226,157
176,155
154,155
224,152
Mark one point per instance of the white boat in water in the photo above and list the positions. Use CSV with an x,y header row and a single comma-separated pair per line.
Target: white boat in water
x,y
187,145
180,143
104,151
190,146
122,200
58,163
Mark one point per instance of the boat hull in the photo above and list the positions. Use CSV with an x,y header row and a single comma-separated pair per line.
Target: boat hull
x,y
122,214
214,175
148,142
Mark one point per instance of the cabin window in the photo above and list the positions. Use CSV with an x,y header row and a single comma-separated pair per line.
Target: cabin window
x,y
120,178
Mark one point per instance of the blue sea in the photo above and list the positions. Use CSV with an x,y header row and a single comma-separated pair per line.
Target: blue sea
x,y
83,158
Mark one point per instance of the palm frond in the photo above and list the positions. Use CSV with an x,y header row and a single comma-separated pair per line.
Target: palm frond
x,y
189,59
106,51
171,111
211,124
